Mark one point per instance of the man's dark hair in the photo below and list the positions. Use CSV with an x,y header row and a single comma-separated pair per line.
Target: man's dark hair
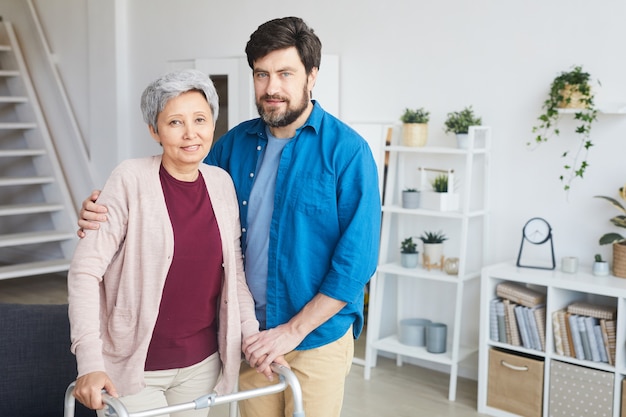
x,y
284,33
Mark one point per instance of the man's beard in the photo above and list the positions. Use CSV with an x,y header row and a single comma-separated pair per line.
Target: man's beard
x,y
277,119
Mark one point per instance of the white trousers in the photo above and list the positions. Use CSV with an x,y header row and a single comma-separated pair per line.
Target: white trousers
x,y
175,386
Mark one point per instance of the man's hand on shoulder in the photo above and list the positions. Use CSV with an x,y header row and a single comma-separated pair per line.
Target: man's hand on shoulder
x,y
91,214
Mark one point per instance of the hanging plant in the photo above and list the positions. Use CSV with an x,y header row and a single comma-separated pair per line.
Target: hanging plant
x,y
569,90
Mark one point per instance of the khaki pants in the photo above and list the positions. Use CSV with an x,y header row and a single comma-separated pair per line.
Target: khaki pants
x,y
175,386
322,374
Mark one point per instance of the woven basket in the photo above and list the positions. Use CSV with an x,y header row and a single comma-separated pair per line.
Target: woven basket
x,y
575,97
619,260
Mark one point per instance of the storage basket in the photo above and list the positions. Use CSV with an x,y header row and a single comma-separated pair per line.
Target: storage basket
x,y
619,260
515,383
580,391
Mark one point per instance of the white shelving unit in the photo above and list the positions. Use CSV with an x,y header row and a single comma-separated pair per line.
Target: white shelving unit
x,y
471,168
561,289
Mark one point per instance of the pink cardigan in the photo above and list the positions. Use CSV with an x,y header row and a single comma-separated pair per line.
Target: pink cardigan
x,y
118,272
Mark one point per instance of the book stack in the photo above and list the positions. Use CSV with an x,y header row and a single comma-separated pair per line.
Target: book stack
x,y
585,331
518,316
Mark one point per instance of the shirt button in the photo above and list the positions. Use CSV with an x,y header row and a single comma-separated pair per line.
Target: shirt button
x,y
244,203
243,230
251,174
258,148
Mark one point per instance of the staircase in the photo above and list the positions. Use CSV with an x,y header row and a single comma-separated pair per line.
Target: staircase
x,y
37,216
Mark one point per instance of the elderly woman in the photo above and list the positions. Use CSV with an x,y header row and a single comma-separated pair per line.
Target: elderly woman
x,y
158,297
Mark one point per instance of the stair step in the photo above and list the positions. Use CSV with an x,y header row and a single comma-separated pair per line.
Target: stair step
x,y
27,245
10,210
13,99
5,181
29,238
34,268
9,73
22,152
15,126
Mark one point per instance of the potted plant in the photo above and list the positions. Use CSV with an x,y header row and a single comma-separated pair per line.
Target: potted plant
x,y
410,198
600,266
415,126
618,241
433,249
459,122
440,183
408,253
570,92
441,196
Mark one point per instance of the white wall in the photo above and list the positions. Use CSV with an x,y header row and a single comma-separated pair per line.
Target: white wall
x,y
498,56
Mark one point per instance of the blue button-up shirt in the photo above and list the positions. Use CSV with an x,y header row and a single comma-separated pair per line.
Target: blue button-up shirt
x,y
324,234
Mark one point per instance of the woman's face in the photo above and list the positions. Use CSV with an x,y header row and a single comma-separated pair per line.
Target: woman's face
x,y
186,129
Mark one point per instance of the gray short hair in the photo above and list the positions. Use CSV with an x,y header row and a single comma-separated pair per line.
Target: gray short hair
x,y
163,89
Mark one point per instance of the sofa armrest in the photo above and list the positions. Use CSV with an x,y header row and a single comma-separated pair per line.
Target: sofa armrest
x,y
36,360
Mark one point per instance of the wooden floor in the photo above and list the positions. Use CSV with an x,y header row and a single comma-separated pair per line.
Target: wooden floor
x,y
392,391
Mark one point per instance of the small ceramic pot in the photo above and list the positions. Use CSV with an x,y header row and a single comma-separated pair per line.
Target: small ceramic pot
x,y
569,264
462,140
600,269
410,199
409,260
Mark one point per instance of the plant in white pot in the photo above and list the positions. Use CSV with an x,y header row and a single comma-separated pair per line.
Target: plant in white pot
x,y
433,249
441,195
415,127
600,266
459,122
408,253
410,198
618,241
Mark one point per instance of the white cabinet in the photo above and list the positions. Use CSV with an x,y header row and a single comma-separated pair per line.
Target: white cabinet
x,y
561,289
419,292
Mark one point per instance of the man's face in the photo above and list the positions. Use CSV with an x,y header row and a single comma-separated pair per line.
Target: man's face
x,y
282,87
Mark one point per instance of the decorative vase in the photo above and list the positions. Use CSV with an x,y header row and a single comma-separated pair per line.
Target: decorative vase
x,y
433,256
414,134
619,260
451,266
410,199
412,332
436,337
409,260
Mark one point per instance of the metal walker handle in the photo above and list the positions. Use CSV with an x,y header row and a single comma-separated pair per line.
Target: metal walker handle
x,y
287,379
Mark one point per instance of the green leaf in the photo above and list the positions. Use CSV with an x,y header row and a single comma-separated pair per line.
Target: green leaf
x,y
613,201
610,238
619,221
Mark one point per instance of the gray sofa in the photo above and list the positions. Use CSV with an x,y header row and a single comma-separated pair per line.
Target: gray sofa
x,y
36,364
